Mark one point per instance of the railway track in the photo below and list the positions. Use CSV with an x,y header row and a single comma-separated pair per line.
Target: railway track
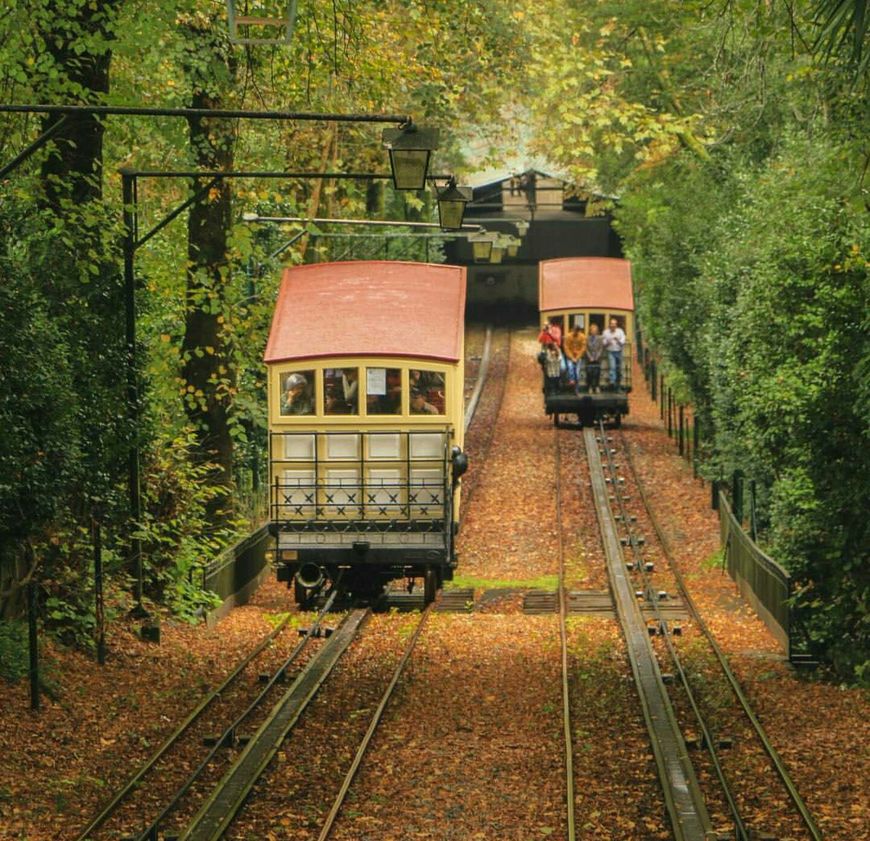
x,y
563,642
684,800
777,773
340,798
140,786
225,801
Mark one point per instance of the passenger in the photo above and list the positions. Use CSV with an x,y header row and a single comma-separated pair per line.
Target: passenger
x,y
545,337
552,369
594,349
419,406
614,341
424,380
297,397
575,347
556,332
350,386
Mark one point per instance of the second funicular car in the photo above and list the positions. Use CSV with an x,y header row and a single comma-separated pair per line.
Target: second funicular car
x,y
590,293
365,377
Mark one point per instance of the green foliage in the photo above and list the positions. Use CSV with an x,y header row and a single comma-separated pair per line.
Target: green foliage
x,y
740,159
14,661
177,534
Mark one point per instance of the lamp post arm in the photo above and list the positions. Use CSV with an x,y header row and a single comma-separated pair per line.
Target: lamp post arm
x,y
195,197
35,146
226,113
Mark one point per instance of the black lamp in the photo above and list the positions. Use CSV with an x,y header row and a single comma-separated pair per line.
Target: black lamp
x,y
451,205
481,246
410,148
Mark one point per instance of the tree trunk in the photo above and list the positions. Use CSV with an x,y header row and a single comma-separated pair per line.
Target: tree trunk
x,y
207,367
74,168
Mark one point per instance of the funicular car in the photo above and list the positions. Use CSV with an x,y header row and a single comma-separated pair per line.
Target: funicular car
x,y
587,291
365,380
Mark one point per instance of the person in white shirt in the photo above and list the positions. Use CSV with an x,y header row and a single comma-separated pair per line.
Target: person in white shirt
x,y
614,341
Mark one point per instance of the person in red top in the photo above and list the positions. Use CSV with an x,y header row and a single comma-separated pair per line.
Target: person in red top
x,y
550,333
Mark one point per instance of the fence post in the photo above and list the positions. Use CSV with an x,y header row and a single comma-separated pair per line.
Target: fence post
x,y
696,439
653,381
662,394
753,528
737,496
714,494
681,421
33,641
98,593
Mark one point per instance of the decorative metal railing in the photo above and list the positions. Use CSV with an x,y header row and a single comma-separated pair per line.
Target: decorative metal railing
x,y
367,481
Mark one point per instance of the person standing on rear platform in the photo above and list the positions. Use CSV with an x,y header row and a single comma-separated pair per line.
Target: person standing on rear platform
x,y
614,342
552,369
594,349
575,347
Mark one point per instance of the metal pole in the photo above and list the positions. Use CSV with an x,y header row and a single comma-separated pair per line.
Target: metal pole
x,y
33,640
128,190
753,527
680,443
98,593
737,496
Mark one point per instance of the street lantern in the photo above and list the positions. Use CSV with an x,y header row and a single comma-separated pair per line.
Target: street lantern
x,y
522,227
481,246
451,205
498,249
513,246
410,148
278,21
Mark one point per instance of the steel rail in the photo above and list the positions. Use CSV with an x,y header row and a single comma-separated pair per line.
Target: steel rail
x,y
685,803
218,812
563,637
482,372
133,783
328,824
741,830
775,758
228,735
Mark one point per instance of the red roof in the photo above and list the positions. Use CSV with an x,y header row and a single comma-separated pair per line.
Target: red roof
x,y
369,308
576,282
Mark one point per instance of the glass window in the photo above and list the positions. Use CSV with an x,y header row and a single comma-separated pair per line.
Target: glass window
x,y
578,319
341,391
426,392
383,391
597,318
297,393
